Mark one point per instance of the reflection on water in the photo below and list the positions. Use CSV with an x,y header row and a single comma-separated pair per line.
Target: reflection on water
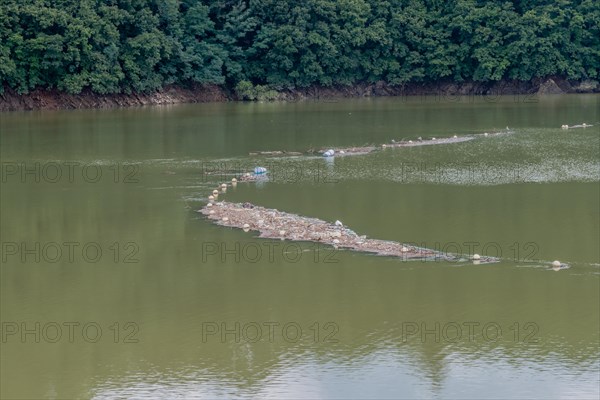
x,y
532,195
303,378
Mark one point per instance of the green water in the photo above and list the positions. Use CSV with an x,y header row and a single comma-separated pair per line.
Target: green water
x,y
530,197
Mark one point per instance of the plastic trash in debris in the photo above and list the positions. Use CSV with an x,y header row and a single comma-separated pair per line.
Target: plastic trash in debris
x,y
329,153
260,170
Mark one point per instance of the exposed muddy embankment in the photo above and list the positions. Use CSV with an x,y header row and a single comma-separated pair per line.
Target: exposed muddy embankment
x,y
44,99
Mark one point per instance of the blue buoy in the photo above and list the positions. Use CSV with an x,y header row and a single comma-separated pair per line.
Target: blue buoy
x,y
260,171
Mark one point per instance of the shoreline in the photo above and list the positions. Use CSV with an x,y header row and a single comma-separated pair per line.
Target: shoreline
x,y
52,99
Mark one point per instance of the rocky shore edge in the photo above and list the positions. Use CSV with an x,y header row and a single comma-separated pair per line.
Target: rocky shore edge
x,y
52,99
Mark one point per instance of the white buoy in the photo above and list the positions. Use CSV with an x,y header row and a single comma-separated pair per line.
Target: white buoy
x,y
404,249
485,134
339,223
584,125
211,197
476,256
209,205
454,136
223,185
432,138
233,180
215,192
342,152
246,226
410,141
384,145
556,263
225,219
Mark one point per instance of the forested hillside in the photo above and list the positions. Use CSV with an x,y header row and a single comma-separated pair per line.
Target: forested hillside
x,y
115,46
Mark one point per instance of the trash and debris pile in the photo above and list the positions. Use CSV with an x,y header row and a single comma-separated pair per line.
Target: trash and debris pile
x,y
275,224
275,153
346,151
426,142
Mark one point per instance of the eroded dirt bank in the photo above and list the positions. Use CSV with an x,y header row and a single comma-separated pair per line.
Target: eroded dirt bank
x,y
42,99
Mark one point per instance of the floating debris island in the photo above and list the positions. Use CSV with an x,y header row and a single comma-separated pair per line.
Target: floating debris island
x,y
361,150
275,153
275,224
426,142
345,151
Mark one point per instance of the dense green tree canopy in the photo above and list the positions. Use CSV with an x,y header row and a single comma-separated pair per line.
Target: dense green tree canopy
x,y
113,46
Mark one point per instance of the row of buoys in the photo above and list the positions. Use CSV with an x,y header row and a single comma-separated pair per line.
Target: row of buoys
x,y
211,200
583,125
215,193
223,186
556,265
